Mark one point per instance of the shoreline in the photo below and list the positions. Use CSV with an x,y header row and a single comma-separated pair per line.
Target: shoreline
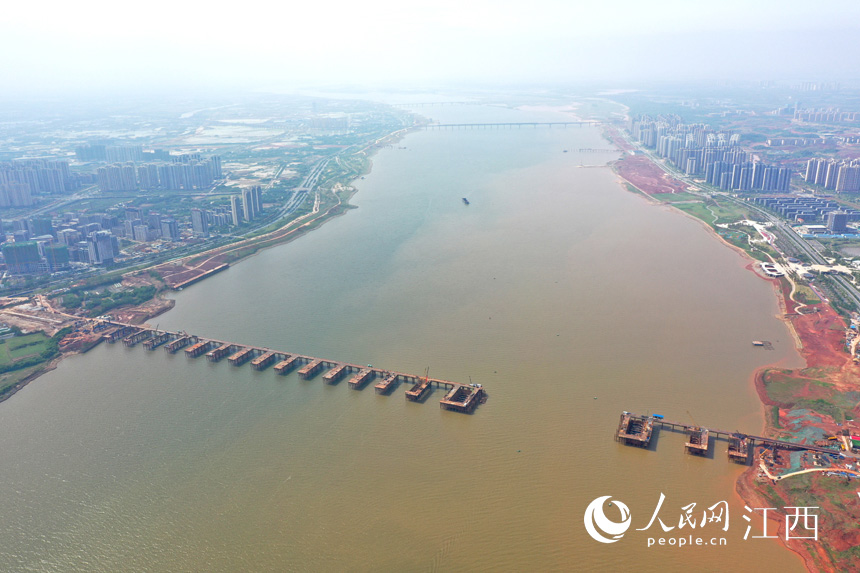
x,y
165,304
814,557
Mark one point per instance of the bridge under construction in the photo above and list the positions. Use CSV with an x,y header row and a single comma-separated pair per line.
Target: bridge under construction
x,y
458,398
637,430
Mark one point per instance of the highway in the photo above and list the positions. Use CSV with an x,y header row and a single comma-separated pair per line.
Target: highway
x,y
300,193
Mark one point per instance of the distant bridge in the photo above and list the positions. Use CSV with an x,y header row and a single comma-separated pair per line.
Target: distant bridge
x,y
503,125
436,103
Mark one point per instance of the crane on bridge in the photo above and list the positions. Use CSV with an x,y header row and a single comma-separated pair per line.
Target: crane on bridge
x,y
695,423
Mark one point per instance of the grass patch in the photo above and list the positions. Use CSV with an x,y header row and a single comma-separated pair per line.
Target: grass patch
x,y
676,197
726,212
821,406
697,210
785,388
19,347
8,380
806,295
634,189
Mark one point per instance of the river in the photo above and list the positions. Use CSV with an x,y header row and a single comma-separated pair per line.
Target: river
x,y
569,298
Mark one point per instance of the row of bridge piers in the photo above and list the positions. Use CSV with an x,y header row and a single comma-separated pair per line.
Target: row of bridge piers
x,y
459,397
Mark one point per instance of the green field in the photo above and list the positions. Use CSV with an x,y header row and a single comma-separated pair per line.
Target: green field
x,y
9,379
19,347
725,211
676,197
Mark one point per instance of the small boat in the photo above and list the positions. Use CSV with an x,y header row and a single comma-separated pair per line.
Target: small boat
x,y
758,343
465,201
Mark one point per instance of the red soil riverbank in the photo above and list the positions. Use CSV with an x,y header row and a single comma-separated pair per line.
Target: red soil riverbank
x,y
809,397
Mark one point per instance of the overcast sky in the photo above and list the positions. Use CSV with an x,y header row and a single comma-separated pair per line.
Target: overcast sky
x,y
100,44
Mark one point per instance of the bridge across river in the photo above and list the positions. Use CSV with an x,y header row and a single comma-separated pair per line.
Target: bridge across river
x,y
503,125
459,398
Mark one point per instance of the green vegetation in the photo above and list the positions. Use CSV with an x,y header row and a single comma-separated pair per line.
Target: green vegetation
x,y
715,211
805,295
98,303
808,389
774,417
676,197
14,349
719,213
10,379
634,189
799,490
822,406
23,356
840,303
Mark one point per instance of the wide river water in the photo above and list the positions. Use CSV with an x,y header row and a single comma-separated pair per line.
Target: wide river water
x,y
569,298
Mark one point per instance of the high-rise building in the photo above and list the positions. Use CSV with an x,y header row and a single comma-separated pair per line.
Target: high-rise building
x,y
68,236
837,222
15,194
169,229
123,153
236,209
101,248
258,199
249,204
140,233
199,224
22,258
40,226
57,257
86,153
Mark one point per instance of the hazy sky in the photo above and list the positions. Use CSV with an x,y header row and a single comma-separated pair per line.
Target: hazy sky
x,y
98,44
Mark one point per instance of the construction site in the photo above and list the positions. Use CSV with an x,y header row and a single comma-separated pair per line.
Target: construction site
x,y
459,397
638,430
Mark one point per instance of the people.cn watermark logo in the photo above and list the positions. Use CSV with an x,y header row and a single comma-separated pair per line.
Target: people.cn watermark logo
x,y
600,527
694,525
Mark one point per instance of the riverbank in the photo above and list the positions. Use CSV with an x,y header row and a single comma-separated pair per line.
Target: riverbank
x,y
327,204
180,274
802,404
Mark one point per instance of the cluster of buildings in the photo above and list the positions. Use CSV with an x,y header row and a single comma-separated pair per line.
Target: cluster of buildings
x,y
248,207
828,115
818,215
699,151
812,141
15,195
35,257
202,219
100,153
20,180
818,86
109,153
39,247
834,175
245,208
799,141
143,226
187,171
42,244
